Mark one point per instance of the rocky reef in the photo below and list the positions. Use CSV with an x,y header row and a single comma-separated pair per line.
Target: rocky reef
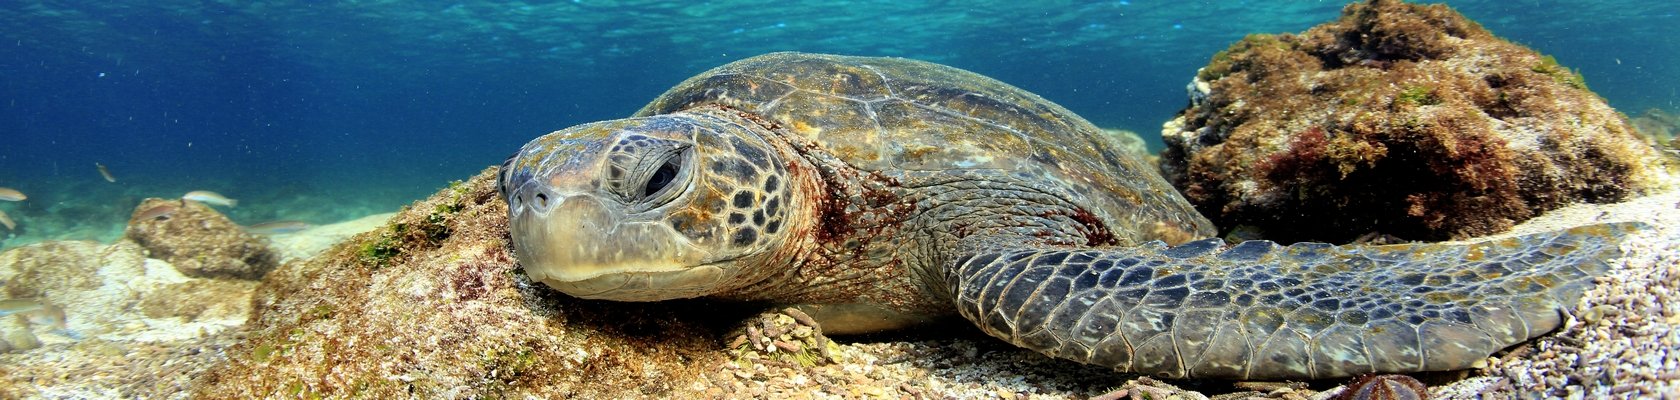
x,y
130,326
115,321
115,290
432,306
1399,119
199,241
122,323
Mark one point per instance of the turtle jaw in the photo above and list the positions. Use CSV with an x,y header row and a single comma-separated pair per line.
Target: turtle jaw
x,y
586,249
642,285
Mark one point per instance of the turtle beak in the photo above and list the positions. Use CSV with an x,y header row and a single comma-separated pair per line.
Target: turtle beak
x,y
585,247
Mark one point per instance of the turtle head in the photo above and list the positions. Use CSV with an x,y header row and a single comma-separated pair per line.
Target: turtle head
x,y
653,208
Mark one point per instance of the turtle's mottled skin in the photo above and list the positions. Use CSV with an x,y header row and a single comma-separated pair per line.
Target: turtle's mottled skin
x,y
880,191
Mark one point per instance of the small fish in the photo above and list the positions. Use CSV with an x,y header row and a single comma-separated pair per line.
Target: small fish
x,y
161,211
278,227
7,221
16,306
9,194
35,311
209,197
105,173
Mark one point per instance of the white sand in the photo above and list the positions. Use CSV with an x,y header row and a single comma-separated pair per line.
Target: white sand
x,y
309,242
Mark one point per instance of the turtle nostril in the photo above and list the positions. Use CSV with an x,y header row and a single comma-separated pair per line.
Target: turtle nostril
x,y
542,200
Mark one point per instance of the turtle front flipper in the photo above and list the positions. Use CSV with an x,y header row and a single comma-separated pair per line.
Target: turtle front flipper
x,y
1258,310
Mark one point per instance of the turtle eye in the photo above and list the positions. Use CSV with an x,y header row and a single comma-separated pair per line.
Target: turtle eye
x,y
504,178
663,176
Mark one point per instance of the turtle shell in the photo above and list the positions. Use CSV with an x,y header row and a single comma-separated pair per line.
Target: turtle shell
x,y
893,115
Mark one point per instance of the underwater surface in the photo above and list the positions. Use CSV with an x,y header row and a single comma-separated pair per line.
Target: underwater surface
x,y
327,111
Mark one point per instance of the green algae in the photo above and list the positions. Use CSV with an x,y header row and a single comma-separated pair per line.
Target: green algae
x,y
403,237
324,311
1418,96
378,253
1549,65
262,353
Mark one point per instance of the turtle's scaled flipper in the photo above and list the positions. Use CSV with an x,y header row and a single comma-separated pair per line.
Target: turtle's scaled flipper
x,y
1258,310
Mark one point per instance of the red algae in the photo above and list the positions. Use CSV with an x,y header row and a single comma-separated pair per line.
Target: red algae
x,y
1397,119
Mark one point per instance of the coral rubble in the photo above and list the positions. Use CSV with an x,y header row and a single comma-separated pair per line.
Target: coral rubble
x,y
199,241
1399,119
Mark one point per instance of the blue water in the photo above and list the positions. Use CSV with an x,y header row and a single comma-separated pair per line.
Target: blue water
x,y
324,111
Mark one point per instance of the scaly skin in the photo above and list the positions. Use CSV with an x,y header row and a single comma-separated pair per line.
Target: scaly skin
x,y
1260,311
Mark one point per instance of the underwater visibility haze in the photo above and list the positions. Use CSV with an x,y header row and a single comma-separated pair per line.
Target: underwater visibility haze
x,y
327,111
282,198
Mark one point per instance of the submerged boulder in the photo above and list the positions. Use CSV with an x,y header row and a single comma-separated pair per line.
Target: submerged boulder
x,y
1660,127
199,241
1400,119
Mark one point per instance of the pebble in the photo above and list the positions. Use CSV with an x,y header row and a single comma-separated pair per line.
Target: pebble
x,y
1622,343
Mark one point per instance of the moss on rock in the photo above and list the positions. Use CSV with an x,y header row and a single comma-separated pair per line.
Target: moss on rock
x,y
1401,119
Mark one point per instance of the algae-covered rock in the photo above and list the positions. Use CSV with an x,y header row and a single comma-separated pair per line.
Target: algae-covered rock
x,y
114,291
432,306
198,240
1400,119
130,327
1129,141
134,327
1660,127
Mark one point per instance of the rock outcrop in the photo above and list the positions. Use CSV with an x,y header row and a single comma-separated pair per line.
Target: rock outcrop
x,y
432,306
199,241
1660,127
1400,119
113,292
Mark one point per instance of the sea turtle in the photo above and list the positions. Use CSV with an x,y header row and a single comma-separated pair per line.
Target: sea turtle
x,y
879,192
